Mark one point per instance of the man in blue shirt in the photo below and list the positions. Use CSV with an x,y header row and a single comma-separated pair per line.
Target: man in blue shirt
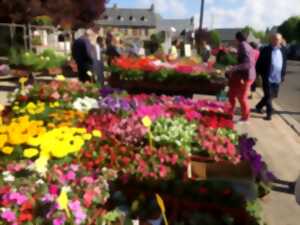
x,y
271,65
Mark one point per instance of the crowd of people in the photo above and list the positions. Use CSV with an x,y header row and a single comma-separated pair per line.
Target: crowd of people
x,y
270,63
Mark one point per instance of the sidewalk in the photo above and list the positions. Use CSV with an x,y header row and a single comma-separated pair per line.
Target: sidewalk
x,y
280,146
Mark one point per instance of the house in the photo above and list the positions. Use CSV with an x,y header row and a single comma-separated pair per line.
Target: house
x,y
132,23
140,23
227,36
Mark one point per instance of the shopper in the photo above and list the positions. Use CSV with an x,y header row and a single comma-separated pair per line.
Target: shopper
x,y
242,76
271,65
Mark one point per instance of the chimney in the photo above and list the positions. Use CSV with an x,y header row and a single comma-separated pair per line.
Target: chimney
x,y
152,8
115,6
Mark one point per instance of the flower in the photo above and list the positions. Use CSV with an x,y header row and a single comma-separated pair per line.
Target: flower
x,y
30,152
60,77
85,104
97,133
8,216
7,150
147,121
77,211
63,200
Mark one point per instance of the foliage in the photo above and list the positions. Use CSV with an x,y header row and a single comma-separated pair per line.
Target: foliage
x,y
290,29
67,13
42,20
262,36
36,62
215,38
177,132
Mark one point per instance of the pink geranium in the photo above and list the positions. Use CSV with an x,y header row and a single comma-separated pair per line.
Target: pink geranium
x,y
8,215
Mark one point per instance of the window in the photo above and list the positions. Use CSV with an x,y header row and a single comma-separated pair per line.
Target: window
x,y
121,18
146,32
143,18
131,18
106,17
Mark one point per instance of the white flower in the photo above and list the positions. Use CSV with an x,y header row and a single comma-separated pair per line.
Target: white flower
x,y
40,181
8,177
85,104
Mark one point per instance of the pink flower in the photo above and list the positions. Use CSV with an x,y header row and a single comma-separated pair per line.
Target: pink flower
x,y
19,198
88,197
53,190
59,221
163,171
70,176
77,211
8,215
55,95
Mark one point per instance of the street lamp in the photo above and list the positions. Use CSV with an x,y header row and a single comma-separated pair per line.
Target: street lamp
x,y
201,14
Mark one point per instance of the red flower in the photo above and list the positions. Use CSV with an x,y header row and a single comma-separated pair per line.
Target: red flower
x,y
25,217
203,190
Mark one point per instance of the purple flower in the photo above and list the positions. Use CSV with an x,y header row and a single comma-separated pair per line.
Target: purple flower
x,y
8,216
114,104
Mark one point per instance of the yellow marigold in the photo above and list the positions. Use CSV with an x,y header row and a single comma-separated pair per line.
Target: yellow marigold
x,y
3,140
7,150
30,153
147,121
97,133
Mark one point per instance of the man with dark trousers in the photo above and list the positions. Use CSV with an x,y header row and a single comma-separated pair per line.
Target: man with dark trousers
x,y
84,54
271,65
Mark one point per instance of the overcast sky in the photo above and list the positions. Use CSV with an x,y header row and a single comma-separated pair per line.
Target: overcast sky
x,y
223,13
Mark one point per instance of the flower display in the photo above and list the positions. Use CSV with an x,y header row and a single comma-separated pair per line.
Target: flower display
x,y
74,154
146,68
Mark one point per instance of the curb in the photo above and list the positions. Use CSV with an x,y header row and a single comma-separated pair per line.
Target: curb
x,y
290,121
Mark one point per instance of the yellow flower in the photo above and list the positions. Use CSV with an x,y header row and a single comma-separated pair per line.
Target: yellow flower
x,y
22,80
3,140
87,137
7,150
63,201
97,133
147,121
60,77
1,107
41,163
30,153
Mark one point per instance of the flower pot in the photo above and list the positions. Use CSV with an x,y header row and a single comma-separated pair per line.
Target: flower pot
x,y
54,71
204,168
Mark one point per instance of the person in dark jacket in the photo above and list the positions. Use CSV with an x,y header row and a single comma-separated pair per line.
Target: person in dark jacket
x,y
271,65
242,76
113,50
84,53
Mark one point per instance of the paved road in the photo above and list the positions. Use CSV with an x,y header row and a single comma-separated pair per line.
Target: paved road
x,y
289,98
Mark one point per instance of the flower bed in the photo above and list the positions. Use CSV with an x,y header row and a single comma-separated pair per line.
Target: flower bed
x,y
153,76
65,146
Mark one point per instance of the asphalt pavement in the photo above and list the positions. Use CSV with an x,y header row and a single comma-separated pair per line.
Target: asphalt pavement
x,y
289,96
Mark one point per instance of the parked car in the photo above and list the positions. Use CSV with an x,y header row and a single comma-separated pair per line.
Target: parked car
x,y
294,52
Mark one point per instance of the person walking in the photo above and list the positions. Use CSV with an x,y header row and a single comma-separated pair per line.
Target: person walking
x,y
241,77
271,65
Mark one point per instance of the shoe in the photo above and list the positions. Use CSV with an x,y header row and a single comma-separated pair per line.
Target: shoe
x,y
258,110
268,118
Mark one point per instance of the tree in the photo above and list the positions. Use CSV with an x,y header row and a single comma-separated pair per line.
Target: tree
x,y
290,29
67,13
215,38
261,35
